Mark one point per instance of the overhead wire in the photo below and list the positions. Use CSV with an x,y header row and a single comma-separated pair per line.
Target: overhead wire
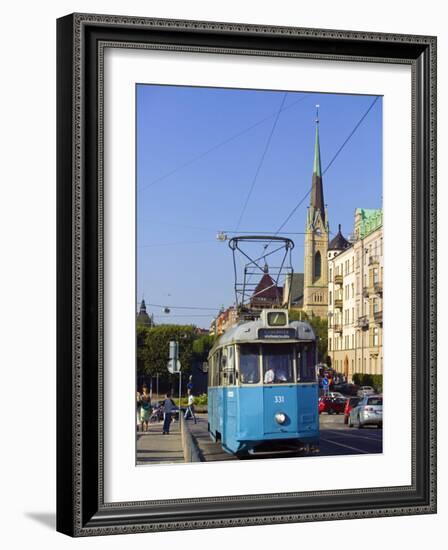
x,y
218,145
183,307
338,152
260,163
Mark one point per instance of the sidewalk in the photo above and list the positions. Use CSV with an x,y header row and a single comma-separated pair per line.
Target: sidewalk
x,y
154,447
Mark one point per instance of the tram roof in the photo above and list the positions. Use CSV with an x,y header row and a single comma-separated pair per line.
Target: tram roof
x,y
247,331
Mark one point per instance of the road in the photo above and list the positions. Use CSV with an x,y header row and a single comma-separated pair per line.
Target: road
x,y
336,438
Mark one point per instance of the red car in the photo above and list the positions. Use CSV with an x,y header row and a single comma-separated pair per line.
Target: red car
x,y
349,405
331,405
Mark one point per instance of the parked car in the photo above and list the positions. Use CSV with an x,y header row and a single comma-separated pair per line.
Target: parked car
x,y
369,411
346,388
365,390
336,395
349,405
331,405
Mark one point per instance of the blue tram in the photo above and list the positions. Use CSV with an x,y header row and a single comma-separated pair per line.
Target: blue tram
x,y
262,386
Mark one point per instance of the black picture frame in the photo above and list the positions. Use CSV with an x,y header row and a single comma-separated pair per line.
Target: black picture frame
x,y
81,510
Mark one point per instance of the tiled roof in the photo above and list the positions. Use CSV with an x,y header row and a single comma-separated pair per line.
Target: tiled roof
x,y
266,291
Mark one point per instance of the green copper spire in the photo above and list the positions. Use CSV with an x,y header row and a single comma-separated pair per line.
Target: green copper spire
x,y
317,190
317,169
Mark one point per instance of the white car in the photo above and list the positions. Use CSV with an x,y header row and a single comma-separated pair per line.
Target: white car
x,y
369,411
336,395
365,390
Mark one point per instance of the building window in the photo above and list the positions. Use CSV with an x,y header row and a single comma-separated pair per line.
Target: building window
x,y
375,276
330,298
317,265
331,275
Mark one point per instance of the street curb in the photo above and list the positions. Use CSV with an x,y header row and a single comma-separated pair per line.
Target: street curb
x,y
189,446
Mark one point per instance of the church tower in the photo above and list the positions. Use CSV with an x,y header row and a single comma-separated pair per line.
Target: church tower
x,y
315,295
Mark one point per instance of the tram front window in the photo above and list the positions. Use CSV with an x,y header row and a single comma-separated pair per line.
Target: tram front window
x,y
278,364
306,361
249,365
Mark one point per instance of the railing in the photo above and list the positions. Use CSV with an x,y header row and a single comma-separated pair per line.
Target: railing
x,y
338,303
337,328
365,292
338,279
378,287
373,260
362,322
378,316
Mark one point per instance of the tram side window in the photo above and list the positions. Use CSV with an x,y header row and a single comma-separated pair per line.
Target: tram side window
x,y
214,371
306,360
229,367
249,364
277,364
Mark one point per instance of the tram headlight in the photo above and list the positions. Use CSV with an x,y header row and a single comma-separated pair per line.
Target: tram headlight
x,y
280,418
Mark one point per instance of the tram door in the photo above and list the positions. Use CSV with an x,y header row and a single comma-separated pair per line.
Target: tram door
x,y
229,396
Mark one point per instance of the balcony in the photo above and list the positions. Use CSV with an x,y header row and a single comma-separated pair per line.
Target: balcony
x,y
365,292
374,351
338,303
378,288
378,317
363,322
374,260
338,279
337,328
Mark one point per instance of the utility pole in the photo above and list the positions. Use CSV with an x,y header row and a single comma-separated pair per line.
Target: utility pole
x,y
174,364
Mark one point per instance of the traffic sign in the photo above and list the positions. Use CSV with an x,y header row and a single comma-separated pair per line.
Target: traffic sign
x,y
174,367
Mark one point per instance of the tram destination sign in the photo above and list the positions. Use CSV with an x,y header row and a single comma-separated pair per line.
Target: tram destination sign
x,y
277,333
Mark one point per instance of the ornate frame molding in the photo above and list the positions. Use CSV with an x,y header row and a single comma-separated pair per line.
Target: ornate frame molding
x,y
81,42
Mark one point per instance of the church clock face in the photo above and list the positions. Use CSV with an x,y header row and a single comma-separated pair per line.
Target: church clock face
x,y
318,231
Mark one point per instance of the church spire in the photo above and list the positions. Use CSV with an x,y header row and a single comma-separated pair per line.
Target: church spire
x,y
317,191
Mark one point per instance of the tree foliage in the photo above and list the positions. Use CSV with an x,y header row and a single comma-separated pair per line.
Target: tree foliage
x,y
320,327
202,346
153,348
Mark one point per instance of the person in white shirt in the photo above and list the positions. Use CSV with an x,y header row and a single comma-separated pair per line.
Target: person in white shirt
x,y
190,407
269,376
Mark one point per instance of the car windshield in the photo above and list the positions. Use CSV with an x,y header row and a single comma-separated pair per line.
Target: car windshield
x,y
249,364
375,401
277,363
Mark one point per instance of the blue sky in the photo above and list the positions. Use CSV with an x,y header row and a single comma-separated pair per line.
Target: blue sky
x,y
198,152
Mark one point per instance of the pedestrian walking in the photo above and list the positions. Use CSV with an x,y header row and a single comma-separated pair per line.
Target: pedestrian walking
x,y
145,408
190,407
138,407
168,408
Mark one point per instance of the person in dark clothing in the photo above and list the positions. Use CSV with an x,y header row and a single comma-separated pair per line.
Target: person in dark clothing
x,y
168,408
